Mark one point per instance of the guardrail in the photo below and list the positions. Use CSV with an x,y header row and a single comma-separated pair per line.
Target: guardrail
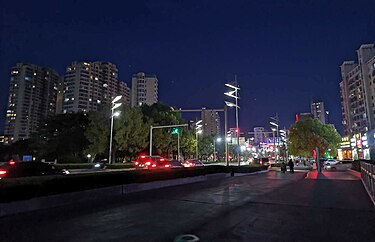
x,y
368,178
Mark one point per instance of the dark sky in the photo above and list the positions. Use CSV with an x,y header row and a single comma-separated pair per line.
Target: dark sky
x,y
284,52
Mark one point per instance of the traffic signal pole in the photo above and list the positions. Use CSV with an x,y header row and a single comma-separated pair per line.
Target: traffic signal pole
x,y
162,127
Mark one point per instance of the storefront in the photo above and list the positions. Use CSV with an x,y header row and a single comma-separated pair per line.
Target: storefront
x,y
345,151
356,147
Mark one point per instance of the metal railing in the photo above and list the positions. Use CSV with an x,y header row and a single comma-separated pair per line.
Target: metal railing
x,y
368,178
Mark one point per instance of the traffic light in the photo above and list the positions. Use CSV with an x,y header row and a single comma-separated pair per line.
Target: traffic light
x,y
175,131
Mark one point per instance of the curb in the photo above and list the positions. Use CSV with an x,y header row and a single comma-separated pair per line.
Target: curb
x,y
97,194
251,173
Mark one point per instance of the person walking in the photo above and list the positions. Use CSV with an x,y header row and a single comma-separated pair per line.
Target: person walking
x,y
291,166
283,167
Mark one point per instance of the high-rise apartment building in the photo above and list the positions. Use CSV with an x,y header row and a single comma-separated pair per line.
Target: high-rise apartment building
x,y
319,112
32,98
124,91
211,122
89,85
358,91
144,89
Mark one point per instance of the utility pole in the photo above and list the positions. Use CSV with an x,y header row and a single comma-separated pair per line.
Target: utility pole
x,y
225,134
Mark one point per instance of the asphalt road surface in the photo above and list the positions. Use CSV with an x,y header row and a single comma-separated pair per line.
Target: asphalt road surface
x,y
264,207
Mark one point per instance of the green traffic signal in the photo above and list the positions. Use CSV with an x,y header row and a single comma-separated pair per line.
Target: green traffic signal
x,y
175,131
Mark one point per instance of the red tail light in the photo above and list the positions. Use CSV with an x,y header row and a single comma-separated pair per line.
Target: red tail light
x,y
136,163
153,165
143,156
167,166
148,163
3,173
162,159
12,162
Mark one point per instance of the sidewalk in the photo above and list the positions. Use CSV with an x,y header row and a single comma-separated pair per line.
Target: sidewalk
x,y
331,207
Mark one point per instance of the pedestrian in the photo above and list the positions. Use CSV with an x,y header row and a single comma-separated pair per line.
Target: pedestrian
x,y
291,166
283,167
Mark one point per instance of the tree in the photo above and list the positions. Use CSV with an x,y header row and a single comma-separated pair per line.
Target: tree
x,y
61,137
158,114
131,132
188,143
206,146
305,135
97,132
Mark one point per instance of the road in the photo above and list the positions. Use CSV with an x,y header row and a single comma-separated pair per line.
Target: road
x,y
263,207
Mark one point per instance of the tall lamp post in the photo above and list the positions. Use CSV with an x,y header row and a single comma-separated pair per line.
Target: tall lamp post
x,y
283,136
198,130
275,124
114,106
234,94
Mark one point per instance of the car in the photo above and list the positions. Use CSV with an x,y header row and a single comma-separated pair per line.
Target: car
x,y
192,163
332,167
175,163
14,169
151,162
331,162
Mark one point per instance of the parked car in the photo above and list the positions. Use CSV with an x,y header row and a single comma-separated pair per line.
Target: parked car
x,y
331,162
192,163
15,169
151,162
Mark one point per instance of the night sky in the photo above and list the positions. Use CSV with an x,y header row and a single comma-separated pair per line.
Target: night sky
x,y
284,54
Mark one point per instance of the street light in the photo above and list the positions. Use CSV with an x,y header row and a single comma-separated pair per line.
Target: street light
x,y
114,106
88,157
275,123
216,140
274,142
234,94
198,130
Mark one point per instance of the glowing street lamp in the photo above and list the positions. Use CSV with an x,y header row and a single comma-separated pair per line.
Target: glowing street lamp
x,y
113,114
198,130
234,94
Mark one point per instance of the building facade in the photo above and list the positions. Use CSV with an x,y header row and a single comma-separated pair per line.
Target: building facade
x,y
90,85
211,122
32,98
357,92
319,112
144,89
